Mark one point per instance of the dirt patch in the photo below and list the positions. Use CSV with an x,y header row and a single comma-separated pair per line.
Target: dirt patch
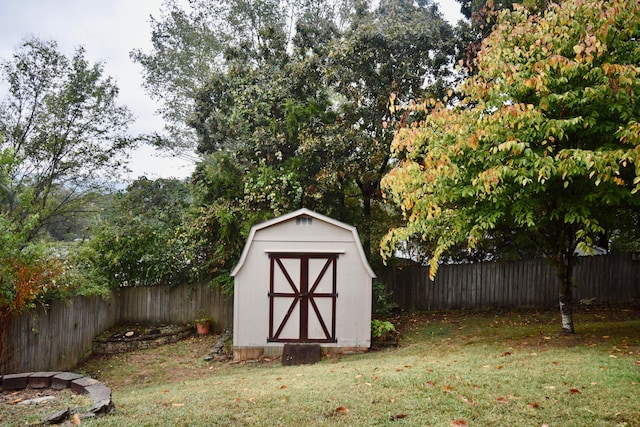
x,y
169,363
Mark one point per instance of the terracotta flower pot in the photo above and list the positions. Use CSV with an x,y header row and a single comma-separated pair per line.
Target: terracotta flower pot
x,y
203,328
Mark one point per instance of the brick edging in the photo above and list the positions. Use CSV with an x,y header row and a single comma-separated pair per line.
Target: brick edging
x,y
99,394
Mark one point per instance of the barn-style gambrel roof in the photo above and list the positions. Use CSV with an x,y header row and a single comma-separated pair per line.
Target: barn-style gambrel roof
x,y
303,213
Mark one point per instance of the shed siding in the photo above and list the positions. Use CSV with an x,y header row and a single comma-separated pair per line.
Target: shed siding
x,y
252,279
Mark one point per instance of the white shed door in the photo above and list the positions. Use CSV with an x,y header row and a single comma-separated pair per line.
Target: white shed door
x,y
302,298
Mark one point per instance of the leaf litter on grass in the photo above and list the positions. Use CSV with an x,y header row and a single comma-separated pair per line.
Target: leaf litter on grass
x,y
479,368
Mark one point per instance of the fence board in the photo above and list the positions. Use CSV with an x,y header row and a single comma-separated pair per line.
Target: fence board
x,y
60,336
609,279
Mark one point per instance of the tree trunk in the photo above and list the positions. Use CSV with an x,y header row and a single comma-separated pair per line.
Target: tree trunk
x,y
564,266
366,225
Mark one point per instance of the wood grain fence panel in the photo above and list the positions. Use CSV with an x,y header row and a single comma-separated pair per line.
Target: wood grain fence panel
x,y
530,283
60,336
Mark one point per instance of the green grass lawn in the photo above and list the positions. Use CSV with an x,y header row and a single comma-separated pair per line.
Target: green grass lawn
x,y
479,369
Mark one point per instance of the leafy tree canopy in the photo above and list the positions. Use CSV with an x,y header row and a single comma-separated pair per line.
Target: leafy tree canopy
x,y
63,132
139,240
546,140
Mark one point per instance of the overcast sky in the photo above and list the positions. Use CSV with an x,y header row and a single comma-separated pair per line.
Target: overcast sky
x,y
109,30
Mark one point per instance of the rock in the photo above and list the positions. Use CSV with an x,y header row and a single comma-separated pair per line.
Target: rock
x,y
63,380
15,381
80,385
57,417
129,334
208,357
36,400
41,379
101,407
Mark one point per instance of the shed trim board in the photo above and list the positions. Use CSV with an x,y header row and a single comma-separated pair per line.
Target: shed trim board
x,y
306,251
301,278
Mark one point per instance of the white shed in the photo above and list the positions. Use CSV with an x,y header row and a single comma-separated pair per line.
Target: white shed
x,y
302,278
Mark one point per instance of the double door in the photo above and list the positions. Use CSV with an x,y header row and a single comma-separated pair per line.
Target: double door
x,y
302,298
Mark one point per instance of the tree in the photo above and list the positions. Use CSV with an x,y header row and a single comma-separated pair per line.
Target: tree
x,y
546,140
482,16
399,47
139,240
26,274
186,51
64,131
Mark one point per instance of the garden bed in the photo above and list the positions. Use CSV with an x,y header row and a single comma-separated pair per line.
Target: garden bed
x,y
126,338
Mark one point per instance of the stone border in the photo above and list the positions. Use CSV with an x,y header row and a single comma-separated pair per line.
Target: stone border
x,y
108,346
99,394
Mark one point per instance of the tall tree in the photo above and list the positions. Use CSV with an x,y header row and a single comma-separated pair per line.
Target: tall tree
x,y
186,50
138,240
299,95
546,140
399,47
482,16
64,130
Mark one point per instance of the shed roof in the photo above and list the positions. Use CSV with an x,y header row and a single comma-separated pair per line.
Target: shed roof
x,y
292,215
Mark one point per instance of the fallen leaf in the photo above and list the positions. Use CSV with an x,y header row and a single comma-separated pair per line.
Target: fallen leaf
x,y
575,391
506,353
533,405
75,420
502,400
638,362
398,417
430,383
500,366
458,423
447,389
177,405
368,384
341,410
282,387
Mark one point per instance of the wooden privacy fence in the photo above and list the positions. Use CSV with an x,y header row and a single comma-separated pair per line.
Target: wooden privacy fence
x,y
607,278
60,336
